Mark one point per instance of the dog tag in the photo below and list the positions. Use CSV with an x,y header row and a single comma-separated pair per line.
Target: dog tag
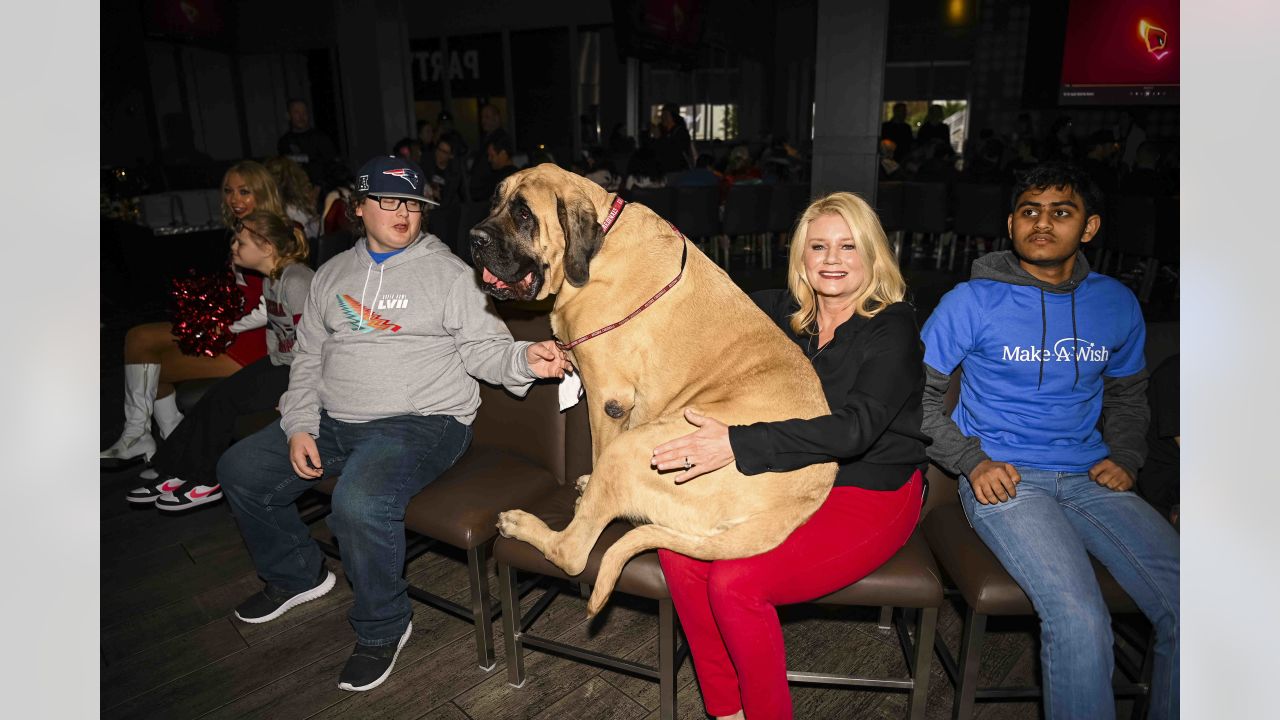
x,y
570,390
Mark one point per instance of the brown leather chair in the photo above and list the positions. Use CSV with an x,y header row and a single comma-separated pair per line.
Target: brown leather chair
x,y
517,454
910,579
976,575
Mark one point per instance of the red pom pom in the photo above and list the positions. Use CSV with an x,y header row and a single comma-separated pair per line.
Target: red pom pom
x,y
203,308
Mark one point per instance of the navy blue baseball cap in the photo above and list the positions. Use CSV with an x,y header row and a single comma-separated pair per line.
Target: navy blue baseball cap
x,y
391,176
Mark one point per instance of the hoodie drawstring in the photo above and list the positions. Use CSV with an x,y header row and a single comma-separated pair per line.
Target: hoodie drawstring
x,y
368,270
1044,330
1075,337
367,310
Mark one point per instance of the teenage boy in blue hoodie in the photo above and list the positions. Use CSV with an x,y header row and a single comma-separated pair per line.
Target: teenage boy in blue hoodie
x,y
382,392
1048,436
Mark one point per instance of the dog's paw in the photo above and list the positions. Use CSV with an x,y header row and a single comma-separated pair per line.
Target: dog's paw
x,y
512,522
581,483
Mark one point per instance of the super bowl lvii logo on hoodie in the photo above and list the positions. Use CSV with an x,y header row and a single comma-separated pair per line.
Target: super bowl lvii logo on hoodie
x,y
361,318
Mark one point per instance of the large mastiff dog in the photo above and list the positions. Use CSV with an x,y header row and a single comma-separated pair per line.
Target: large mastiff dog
x,y
703,344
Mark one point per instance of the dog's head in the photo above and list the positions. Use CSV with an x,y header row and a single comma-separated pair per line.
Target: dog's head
x,y
541,232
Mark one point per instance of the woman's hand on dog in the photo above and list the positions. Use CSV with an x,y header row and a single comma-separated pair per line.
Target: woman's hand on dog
x,y
704,450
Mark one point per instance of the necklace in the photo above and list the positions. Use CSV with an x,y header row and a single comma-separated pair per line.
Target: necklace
x,y
808,350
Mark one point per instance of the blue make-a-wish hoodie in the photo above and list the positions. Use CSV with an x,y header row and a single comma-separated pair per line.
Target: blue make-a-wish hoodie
x,y
1040,365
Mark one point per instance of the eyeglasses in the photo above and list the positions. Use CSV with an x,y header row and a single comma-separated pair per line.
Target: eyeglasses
x,y
239,225
391,204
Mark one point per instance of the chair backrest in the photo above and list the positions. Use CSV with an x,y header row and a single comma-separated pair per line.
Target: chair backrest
x,y
660,200
532,426
924,207
788,201
980,209
746,209
698,211
889,205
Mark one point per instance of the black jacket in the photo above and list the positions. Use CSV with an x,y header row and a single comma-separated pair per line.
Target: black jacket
x,y
872,373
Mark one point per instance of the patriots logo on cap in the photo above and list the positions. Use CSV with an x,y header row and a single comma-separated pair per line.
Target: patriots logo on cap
x,y
405,174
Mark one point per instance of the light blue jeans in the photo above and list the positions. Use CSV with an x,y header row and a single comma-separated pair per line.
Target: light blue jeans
x,y
1043,537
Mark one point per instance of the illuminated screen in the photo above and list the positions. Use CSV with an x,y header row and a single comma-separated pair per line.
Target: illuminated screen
x,y
1120,52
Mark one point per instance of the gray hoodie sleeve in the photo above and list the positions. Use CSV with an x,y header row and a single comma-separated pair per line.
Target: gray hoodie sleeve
x,y
1125,415
488,352
300,404
951,448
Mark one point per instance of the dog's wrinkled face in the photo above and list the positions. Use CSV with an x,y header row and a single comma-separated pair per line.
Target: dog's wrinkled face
x,y
541,231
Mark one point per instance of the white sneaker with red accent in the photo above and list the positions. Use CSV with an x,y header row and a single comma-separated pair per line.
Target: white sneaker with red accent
x,y
189,496
150,493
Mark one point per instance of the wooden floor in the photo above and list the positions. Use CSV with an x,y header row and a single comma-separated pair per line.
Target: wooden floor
x,y
172,649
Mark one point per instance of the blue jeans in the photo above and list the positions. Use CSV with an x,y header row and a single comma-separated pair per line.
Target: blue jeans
x,y
1043,537
382,464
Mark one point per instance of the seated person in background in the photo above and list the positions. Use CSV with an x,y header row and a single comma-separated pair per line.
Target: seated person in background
x,y
499,152
740,168
599,169
299,196
1159,479
1048,436
444,175
186,463
408,149
153,361
338,185
644,170
703,174
1145,179
845,311
382,393
889,168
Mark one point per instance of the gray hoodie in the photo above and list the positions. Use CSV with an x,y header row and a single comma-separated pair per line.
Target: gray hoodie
x,y
404,337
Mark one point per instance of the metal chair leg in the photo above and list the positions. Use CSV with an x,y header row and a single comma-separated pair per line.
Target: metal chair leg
x,y
481,605
886,618
925,630
667,659
970,655
511,625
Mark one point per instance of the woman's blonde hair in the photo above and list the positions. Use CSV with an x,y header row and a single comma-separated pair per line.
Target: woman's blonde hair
x,y
265,194
884,285
281,234
295,187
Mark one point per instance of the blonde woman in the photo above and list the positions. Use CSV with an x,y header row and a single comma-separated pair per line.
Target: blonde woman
x,y
152,358
844,309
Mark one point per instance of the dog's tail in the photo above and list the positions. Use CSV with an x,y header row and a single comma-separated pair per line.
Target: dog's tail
x,y
645,537
760,533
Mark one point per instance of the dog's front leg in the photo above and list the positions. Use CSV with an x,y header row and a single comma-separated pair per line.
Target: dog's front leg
x,y
569,548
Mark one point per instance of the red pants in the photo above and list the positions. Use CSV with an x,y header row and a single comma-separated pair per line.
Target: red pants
x,y
727,607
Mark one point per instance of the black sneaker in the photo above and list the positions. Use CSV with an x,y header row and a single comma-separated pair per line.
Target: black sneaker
x,y
369,665
273,602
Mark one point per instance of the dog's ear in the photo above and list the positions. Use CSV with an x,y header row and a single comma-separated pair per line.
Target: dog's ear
x,y
582,237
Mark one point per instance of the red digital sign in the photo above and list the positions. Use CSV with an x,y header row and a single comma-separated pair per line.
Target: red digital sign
x,y
1121,52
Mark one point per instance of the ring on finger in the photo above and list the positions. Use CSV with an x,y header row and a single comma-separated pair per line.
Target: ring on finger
x,y
687,464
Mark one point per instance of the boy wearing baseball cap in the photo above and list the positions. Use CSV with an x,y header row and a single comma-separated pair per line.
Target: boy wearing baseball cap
x,y
382,393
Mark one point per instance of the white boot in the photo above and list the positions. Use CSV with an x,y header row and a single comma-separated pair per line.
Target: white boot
x,y
167,414
140,381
